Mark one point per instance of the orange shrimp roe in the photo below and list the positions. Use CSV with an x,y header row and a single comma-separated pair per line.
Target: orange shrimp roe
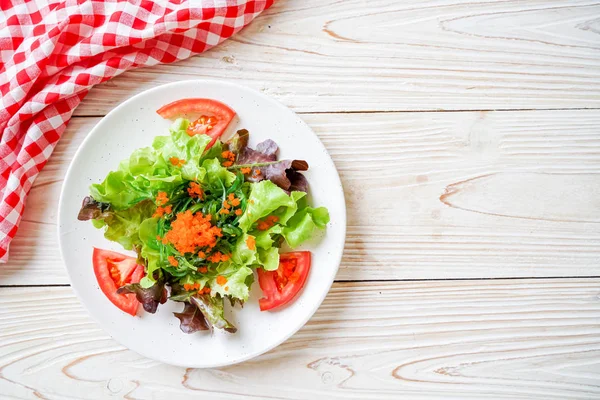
x,y
233,200
251,243
238,212
268,222
245,170
161,199
160,211
218,257
203,270
173,261
177,162
195,191
229,156
190,231
221,280
191,286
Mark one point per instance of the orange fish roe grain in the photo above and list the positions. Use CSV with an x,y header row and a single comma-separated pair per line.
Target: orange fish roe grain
x,y
190,231
161,199
228,155
251,243
173,261
229,158
224,211
218,257
177,162
226,204
226,288
159,212
192,286
203,270
221,280
266,223
235,202
246,170
195,191
238,212
231,196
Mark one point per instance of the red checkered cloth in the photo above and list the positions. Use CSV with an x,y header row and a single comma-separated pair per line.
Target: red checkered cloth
x,y
53,52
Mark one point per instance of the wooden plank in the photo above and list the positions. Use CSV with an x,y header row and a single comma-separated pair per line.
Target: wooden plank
x,y
327,55
517,339
429,195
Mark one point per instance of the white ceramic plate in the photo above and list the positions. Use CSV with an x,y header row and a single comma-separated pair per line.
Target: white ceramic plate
x,y
134,124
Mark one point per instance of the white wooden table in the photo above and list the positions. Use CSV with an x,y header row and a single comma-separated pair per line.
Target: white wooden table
x,y
467,136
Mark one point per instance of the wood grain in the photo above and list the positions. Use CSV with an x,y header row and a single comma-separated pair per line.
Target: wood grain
x,y
429,195
516,339
329,55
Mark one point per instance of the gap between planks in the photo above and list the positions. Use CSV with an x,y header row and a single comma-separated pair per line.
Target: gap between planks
x,y
519,278
410,111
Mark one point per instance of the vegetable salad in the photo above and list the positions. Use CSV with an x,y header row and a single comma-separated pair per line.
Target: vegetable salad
x,y
203,216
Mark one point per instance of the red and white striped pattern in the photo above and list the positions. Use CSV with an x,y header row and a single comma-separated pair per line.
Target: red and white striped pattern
x,y
53,52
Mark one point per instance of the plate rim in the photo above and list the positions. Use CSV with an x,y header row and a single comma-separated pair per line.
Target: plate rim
x,y
343,224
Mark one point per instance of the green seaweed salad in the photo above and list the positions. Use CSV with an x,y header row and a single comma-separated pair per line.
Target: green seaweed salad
x,y
202,217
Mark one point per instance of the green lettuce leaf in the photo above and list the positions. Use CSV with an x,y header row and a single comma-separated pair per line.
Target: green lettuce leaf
x,y
149,170
121,226
269,259
214,152
121,190
264,255
216,173
184,147
302,225
241,254
285,213
236,281
150,250
264,239
265,197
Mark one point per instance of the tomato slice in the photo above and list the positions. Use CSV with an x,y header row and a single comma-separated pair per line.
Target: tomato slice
x,y
282,285
114,270
214,116
138,274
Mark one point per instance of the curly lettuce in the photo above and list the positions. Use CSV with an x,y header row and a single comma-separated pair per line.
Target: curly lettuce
x,y
249,209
